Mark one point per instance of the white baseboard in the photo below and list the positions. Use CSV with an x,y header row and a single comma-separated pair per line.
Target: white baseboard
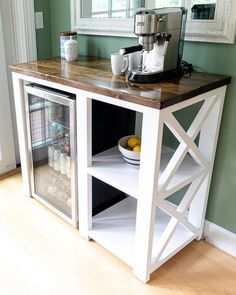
x,y
220,237
7,168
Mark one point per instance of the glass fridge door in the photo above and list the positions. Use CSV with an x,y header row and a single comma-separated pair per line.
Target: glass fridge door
x,y
52,131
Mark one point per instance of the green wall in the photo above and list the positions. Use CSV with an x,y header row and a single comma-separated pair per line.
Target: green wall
x,y
43,36
221,58
60,21
56,20
206,57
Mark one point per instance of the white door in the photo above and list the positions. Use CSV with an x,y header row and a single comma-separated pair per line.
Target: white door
x,y
7,152
17,44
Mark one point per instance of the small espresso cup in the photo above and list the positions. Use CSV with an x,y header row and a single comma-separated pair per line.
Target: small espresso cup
x,y
119,64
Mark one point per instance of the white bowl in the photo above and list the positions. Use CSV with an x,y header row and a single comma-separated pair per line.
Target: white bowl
x,y
130,157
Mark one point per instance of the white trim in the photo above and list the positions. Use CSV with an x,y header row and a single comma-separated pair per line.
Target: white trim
x,y
220,237
121,27
7,152
24,30
19,44
220,30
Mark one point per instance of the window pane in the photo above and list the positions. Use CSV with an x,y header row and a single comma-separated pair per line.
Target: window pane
x,y
203,2
168,3
99,5
119,4
119,14
202,9
137,3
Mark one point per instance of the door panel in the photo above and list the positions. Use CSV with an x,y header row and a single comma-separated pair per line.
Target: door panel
x,y
7,152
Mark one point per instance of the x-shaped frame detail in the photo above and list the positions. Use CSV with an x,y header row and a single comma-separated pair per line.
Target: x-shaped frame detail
x,y
187,145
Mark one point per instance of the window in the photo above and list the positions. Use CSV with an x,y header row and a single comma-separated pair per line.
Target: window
x,y
126,8
215,24
118,8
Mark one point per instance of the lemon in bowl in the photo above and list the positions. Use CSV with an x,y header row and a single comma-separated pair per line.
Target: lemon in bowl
x,y
133,141
137,148
130,148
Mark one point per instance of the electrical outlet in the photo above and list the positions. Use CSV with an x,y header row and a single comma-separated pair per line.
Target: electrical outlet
x,y
39,20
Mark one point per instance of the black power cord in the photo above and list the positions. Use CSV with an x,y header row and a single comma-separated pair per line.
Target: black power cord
x,y
186,67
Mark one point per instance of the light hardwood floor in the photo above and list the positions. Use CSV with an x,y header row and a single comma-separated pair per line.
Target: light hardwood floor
x,y
41,254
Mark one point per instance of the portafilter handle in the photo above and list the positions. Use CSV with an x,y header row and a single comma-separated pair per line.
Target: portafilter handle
x,y
130,49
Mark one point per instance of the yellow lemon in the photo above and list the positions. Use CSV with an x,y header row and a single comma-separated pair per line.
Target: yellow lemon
x,y
133,141
137,148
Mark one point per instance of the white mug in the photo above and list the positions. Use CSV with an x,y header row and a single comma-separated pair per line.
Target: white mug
x,y
119,64
135,60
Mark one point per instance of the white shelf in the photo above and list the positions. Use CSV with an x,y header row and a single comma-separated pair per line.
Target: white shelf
x,y
114,229
110,167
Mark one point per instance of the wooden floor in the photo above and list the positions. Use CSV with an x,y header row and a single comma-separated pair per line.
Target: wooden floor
x,y
41,254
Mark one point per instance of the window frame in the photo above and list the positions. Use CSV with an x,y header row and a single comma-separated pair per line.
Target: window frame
x,y
219,30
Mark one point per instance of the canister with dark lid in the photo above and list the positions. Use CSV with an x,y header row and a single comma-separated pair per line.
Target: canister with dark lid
x,y
65,36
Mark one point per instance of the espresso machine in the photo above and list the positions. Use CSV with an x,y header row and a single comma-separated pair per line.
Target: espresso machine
x,y
160,36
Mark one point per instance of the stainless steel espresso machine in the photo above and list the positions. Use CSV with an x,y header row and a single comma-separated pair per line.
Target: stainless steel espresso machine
x,y
160,35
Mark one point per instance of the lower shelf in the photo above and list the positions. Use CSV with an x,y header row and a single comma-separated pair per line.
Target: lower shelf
x,y
114,229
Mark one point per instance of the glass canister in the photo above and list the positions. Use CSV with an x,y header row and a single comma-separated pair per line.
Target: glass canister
x,y
65,36
71,49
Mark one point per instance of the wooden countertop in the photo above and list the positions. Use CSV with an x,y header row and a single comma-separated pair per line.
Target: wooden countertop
x,y
93,74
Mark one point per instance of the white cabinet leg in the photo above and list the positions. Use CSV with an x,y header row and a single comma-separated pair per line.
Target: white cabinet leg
x,y
84,156
207,145
19,97
148,179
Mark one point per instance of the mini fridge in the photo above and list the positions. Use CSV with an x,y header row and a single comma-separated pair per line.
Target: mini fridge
x,y
51,129
51,125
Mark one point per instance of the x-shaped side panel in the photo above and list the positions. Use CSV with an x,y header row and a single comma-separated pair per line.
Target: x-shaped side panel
x,y
187,143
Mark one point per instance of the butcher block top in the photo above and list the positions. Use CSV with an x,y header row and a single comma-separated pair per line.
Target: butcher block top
x,y
94,75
